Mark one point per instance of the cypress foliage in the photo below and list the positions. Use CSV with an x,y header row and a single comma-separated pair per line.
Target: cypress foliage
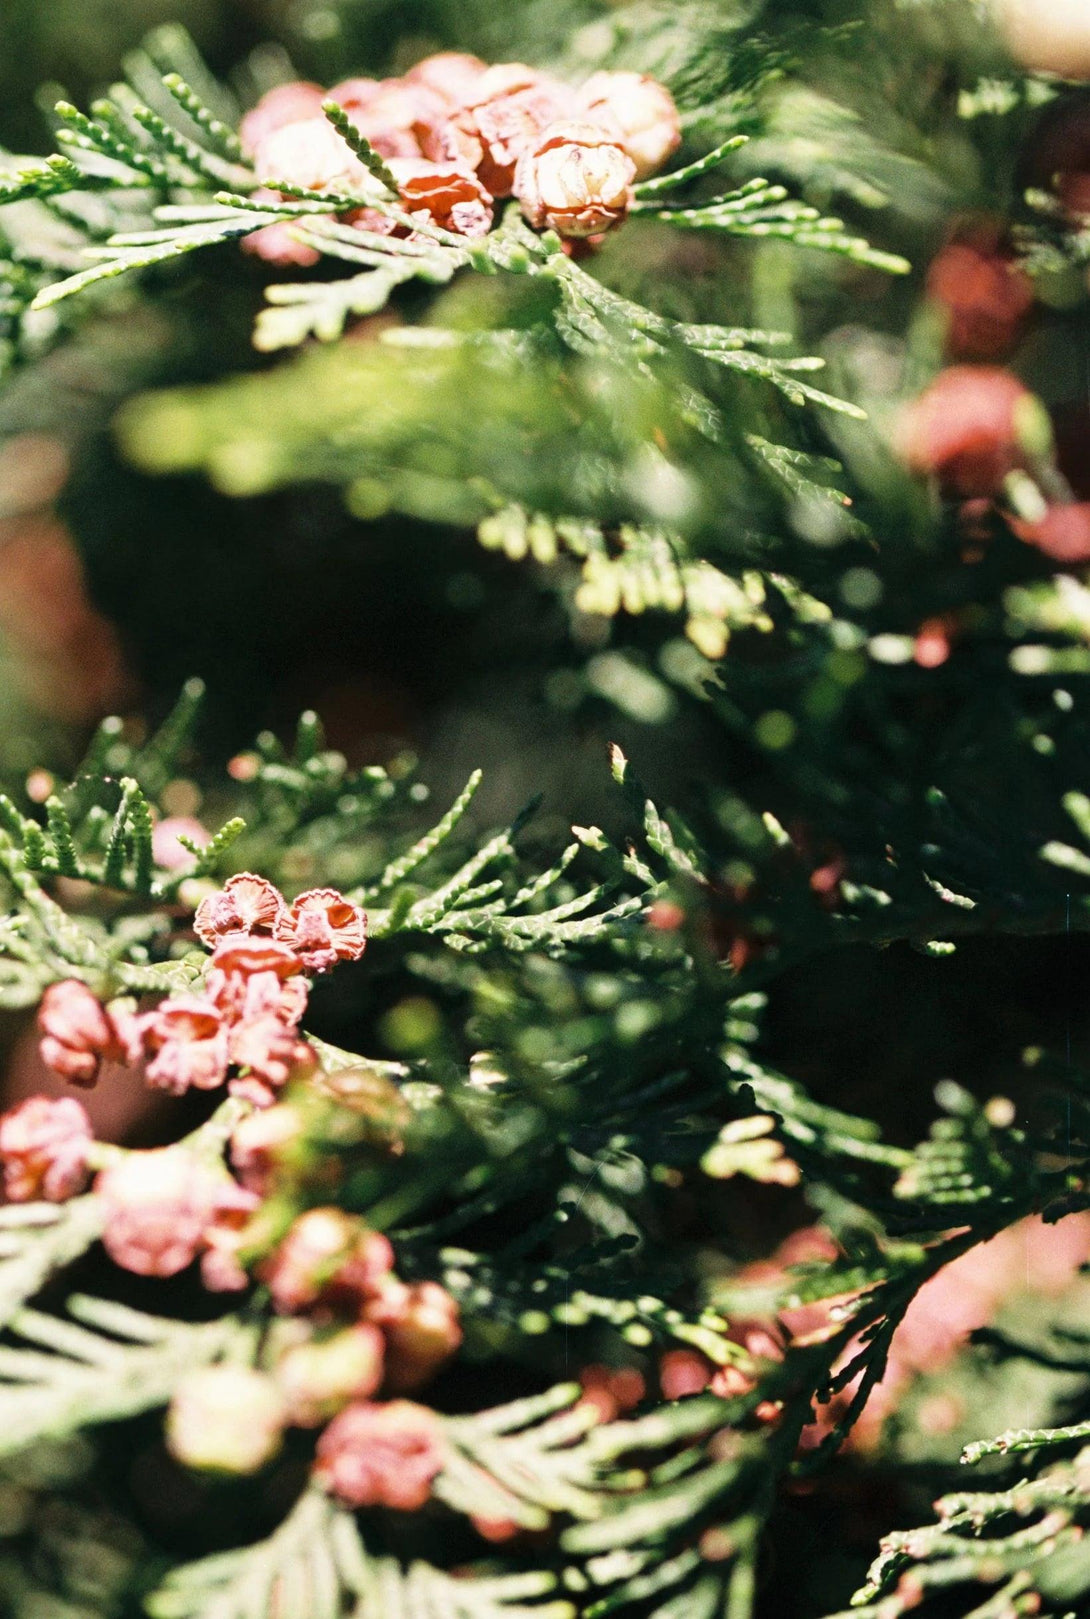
x,y
586,1216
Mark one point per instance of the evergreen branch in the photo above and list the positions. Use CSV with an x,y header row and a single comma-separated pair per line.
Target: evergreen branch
x,y
35,856
38,1239
637,569
100,758
360,146
404,866
298,310
317,1561
545,880
1019,1543
426,912
202,164
658,334
171,50
298,1560
157,761
60,831
142,250
209,859
55,176
64,944
130,1362
133,804
223,140
523,1462
140,825
385,1589
104,136
760,209
1017,1439
676,178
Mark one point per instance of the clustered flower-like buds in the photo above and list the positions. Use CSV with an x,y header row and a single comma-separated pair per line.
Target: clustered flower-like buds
x,y
381,1455
395,117
251,977
458,135
348,1326
247,1016
575,179
43,1149
366,1329
511,108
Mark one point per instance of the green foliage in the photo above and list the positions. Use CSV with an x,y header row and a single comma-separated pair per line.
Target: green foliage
x,y
317,1563
107,1364
580,1079
38,1239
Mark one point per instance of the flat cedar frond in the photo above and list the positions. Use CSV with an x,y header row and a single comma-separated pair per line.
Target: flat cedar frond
x,y
38,1239
317,1563
107,1364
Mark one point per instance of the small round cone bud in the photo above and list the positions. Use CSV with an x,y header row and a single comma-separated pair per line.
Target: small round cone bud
x,y
261,1142
422,1333
450,196
317,1379
322,926
641,111
983,297
79,1033
156,1207
186,1039
326,1257
246,903
225,1419
576,179
381,1455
